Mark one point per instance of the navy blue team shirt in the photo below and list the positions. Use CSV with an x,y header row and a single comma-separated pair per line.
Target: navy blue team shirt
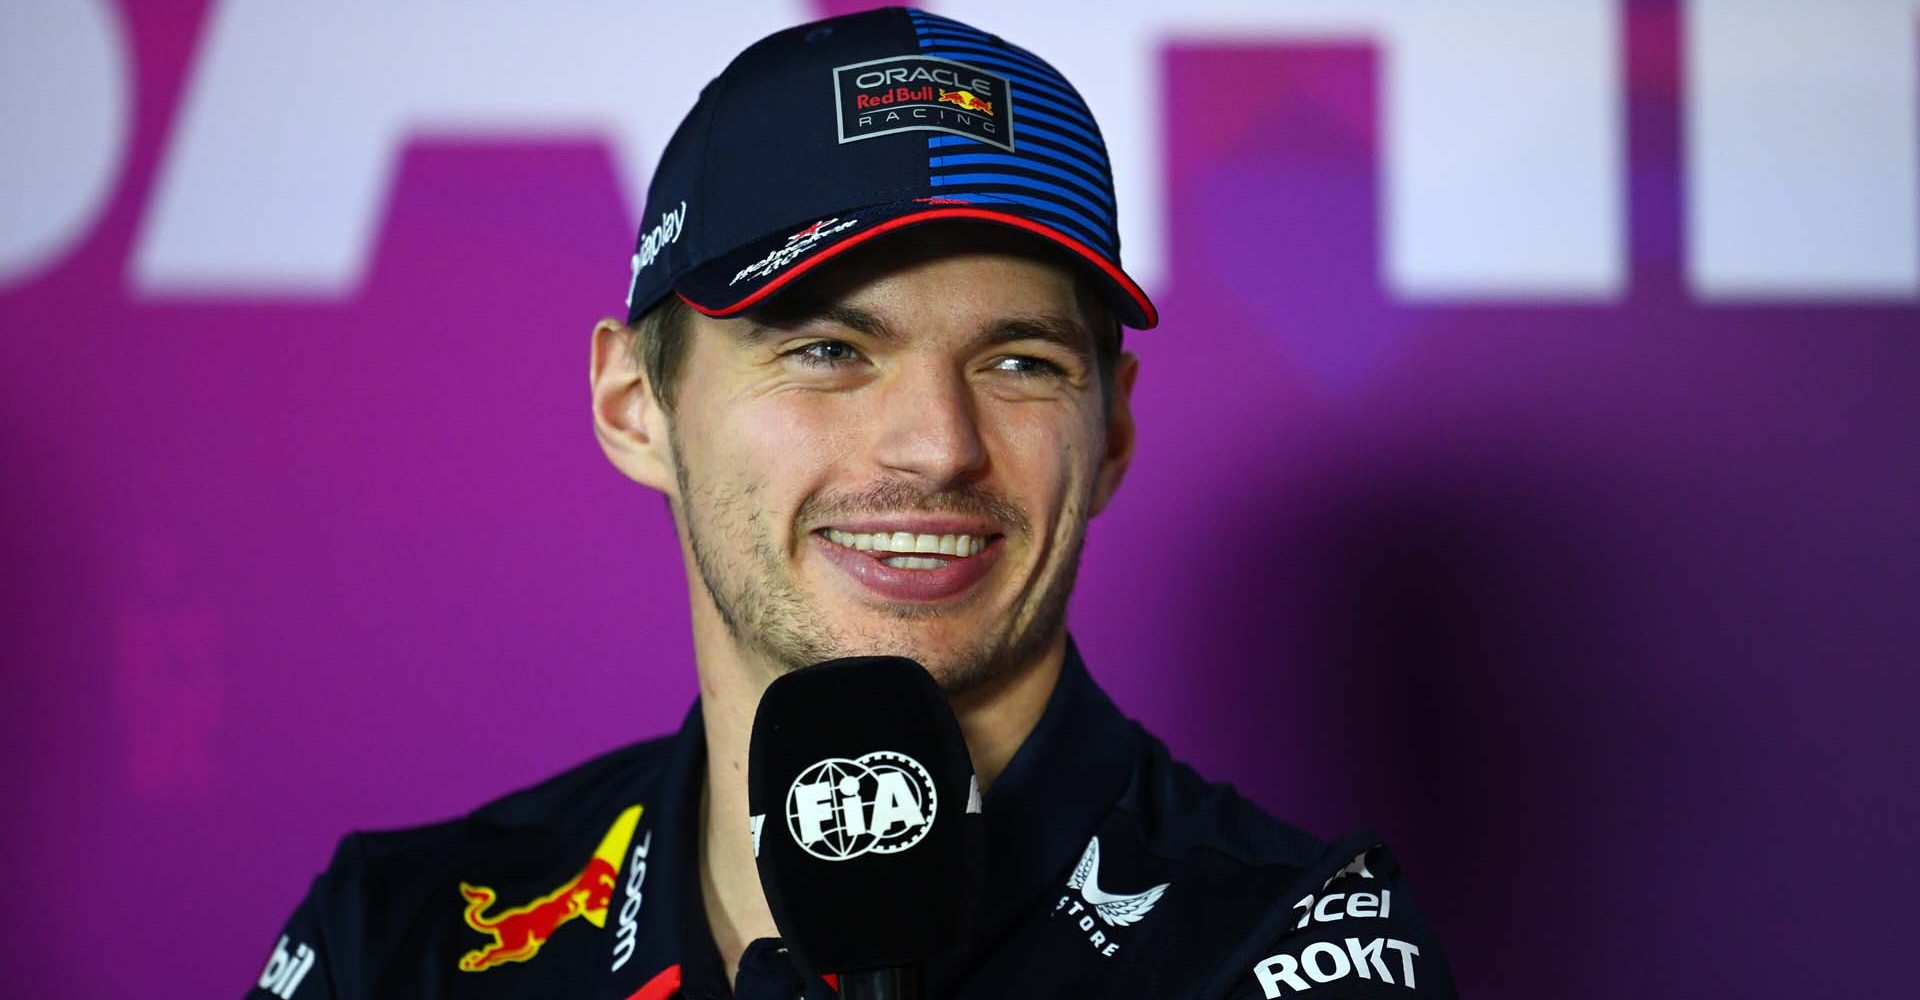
x,y
1114,871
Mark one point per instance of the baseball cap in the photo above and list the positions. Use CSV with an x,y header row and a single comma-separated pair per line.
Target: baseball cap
x,y
823,136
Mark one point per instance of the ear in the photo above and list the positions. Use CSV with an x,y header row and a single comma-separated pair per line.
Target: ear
x,y
1119,454
627,418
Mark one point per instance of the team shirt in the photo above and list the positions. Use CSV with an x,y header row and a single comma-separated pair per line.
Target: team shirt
x,y
1113,870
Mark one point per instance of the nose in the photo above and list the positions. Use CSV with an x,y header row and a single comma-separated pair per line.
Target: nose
x,y
930,428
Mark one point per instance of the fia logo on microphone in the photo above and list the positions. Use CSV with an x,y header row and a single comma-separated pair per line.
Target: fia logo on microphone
x,y
840,809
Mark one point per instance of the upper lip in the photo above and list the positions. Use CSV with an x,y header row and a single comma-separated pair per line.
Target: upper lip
x,y
916,526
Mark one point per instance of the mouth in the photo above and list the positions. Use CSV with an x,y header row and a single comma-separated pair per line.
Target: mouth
x,y
904,550
907,567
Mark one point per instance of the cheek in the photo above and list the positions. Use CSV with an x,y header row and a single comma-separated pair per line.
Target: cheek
x,y
1055,445
784,441
1045,465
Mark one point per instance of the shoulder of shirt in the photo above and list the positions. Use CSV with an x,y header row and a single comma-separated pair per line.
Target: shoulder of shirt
x,y
379,881
1180,812
1252,873
569,803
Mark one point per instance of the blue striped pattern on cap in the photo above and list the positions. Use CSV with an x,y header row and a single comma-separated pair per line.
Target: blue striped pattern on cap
x,y
1058,172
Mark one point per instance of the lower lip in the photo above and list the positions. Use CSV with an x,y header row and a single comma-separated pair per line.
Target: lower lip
x,y
950,580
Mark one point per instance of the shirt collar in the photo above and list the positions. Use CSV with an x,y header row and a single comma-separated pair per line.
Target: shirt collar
x,y
1053,794
672,904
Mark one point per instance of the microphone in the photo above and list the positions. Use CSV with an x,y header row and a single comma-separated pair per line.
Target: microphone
x,y
866,822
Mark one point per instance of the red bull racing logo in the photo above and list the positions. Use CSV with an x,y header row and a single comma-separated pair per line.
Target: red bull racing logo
x,y
908,93
519,933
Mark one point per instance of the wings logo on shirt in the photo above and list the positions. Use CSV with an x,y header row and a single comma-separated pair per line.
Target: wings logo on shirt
x,y
519,933
1116,910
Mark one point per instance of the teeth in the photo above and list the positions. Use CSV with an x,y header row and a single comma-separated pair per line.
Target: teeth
x,y
959,546
913,562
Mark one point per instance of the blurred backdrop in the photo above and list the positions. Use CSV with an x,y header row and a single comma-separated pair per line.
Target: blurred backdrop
x,y
1527,461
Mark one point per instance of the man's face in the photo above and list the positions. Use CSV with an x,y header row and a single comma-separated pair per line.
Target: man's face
x,y
944,385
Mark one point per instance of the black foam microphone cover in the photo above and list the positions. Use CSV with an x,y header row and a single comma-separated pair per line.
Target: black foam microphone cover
x,y
865,815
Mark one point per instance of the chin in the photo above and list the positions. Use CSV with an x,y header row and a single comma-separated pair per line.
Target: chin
x,y
961,653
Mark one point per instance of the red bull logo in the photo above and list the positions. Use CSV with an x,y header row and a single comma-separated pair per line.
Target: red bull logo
x,y
965,100
519,933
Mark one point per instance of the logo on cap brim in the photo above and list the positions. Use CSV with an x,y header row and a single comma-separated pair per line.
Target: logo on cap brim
x,y
796,247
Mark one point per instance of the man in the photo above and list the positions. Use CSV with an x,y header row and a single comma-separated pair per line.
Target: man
x,y
872,360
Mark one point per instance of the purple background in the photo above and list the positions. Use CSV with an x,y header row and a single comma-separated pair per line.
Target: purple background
x,y
1603,615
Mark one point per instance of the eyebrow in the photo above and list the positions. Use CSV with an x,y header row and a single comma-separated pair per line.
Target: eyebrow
x,y
1058,330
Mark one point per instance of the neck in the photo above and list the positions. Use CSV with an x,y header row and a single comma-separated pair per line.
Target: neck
x,y
995,719
729,882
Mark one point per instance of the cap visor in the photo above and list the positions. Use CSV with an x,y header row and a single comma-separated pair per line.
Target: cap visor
x,y
737,281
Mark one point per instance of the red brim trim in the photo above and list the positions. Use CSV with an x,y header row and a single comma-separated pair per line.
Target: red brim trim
x,y
1114,274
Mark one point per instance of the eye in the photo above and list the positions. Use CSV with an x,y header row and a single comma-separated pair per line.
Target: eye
x,y
832,354
1034,367
824,353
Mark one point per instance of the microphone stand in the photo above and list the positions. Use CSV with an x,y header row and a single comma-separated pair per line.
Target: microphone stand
x,y
898,983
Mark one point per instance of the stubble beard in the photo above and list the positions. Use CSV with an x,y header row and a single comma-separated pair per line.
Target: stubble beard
x,y
765,613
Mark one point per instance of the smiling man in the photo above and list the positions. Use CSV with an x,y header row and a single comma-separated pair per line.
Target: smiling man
x,y
872,359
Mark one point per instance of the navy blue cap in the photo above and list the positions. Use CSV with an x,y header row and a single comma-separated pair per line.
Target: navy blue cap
x,y
826,135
